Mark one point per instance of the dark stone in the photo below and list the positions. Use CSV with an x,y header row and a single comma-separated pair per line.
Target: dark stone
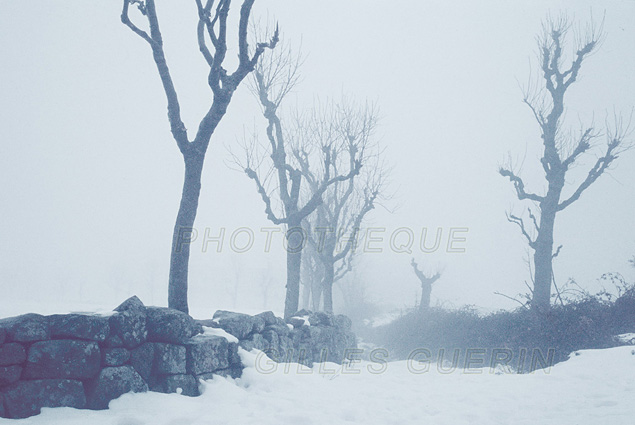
x,y
276,354
300,347
302,354
172,383
343,322
113,341
281,330
238,324
170,326
254,341
324,345
79,326
206,353
321,318
268,317
272,338
286,343
113,382
12,353
259,325
26,328
114,356
315,333
303,312
330,344
142,359
129,323
169,359
132,303
233,357
3,335
63,359
2,412
9,374
25,398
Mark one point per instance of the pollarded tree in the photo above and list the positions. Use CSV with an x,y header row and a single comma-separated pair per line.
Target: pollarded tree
x,y
560,153
426,285
211,29
273,79
333,230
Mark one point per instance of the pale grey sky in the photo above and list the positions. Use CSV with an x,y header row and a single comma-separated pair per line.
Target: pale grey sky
x,y
91,177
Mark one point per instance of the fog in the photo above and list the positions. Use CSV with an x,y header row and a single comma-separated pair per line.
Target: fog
x,y
91,177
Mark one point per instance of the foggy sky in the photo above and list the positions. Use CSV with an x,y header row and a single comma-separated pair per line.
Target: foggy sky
x,y
91,177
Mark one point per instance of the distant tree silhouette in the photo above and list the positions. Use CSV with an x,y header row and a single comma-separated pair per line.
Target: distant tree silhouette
x,y
333,229
426,285
274,78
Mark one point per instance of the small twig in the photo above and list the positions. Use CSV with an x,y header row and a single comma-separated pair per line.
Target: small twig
x,y
524,305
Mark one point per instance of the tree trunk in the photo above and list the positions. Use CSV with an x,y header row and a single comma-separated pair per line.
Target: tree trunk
x,y
306,295
327,286
426,291
183,228
543,258
295,244
316,293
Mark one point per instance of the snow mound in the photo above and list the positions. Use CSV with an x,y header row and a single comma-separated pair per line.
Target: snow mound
x,y
592,387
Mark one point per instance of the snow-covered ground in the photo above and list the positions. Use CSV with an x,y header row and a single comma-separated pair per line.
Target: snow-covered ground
x,y
593,387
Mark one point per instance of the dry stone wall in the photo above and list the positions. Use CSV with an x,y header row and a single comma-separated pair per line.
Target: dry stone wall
x,y
87,360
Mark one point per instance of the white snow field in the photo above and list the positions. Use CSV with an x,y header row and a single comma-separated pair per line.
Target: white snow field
x,y
594,387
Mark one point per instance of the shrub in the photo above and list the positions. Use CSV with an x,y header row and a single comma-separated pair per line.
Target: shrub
x,y
587,322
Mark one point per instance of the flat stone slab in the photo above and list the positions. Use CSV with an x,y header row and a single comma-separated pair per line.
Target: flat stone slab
x,y
321,318
170,326
207,353
79,326
25,398
26,328
114,356
169,359
63,358
12,353
142,359
238,324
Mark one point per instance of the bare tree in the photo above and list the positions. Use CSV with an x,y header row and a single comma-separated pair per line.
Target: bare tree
x,y
274,78
212,28
561,152
426,285
333,229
